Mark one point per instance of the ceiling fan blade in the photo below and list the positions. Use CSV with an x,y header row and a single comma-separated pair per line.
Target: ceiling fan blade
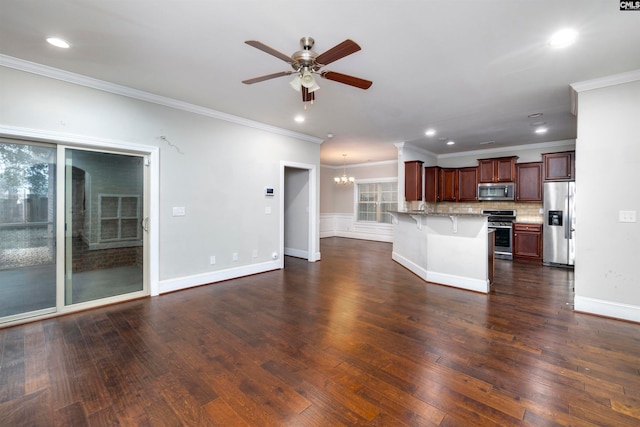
x,y
271,51
267,77
339,51
346,79
306,95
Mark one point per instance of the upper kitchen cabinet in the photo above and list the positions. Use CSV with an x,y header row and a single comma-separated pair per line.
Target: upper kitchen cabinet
x,y
448,185
559,166
432,184
467,184
413,180
501,169
529,182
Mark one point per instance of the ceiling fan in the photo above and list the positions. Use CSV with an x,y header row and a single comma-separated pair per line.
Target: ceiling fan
x,y
306,63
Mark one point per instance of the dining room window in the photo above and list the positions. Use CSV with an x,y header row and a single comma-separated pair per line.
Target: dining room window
x,y
375,200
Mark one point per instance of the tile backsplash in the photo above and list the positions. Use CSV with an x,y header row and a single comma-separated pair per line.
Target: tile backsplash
x,y
525,212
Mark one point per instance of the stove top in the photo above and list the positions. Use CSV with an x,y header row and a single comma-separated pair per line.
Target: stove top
x,y
504,217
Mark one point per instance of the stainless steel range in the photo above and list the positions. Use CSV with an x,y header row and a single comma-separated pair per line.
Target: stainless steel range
x,y
502,222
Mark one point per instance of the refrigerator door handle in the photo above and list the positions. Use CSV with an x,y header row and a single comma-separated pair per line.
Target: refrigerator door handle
x,y
568,221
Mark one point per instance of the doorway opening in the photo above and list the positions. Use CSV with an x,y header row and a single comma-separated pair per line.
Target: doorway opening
x,y
298,218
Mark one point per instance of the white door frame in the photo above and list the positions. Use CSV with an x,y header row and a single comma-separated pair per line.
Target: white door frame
x,y
313,248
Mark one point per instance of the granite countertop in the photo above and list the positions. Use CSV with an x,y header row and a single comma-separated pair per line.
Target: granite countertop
x,y
424,213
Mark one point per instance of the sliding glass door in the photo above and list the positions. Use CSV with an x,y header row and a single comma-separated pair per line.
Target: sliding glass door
x,y
72,228
104,225
27,230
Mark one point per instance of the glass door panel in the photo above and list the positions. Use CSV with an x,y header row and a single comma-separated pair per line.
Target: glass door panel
x,y
104,239
27,230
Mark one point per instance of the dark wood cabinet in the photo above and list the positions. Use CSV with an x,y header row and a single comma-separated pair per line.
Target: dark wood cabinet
x,y
432,184
413,180
467,184
448,185
529,182
527,242
559,166
501,169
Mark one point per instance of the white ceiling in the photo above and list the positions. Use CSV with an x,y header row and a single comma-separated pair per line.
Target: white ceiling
x,y
473,70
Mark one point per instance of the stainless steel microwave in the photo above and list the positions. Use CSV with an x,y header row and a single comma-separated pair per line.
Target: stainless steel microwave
x,y
498,191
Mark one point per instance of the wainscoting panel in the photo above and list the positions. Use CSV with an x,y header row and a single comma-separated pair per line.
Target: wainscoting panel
x,y
345,225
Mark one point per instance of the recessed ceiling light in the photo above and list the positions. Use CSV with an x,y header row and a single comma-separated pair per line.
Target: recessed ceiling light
x,y
534,115
430,132
329,135
58,42
487,143
450,142
536,124
541,130
299,119
563,38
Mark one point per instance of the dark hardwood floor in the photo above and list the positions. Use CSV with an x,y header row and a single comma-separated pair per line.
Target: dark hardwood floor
x,y
352,340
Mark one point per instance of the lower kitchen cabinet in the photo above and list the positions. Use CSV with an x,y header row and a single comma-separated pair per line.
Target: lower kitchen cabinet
x,y
527,242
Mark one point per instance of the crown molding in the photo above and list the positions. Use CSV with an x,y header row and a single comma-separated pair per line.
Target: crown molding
x,y
512,148
361,165
602,82
90,82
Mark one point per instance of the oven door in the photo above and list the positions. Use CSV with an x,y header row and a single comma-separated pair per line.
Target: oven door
x,y
504,242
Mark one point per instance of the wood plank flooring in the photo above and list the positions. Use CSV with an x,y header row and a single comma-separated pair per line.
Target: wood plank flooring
x,y
355,339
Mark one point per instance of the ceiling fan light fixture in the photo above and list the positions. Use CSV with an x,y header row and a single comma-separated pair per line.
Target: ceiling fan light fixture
x,y
307,80
296,84
314,88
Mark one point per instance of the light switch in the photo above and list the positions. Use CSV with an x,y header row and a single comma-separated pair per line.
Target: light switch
x,y
179,211
267,210
627,216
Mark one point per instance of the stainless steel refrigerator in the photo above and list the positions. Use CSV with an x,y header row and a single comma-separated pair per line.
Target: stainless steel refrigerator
x,y
559,227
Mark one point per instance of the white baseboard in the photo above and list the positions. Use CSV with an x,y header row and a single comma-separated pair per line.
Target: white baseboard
x,y
298,253
467,283
177,284
607,308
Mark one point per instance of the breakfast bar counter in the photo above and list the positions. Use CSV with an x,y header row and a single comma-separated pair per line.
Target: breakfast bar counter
x,y
448,249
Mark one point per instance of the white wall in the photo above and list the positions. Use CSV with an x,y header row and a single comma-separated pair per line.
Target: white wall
x,y
607,279
216,169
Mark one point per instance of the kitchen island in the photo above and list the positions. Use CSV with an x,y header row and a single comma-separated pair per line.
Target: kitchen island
x,y
448,249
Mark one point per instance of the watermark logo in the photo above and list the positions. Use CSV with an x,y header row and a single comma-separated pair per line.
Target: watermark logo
x,y
629,5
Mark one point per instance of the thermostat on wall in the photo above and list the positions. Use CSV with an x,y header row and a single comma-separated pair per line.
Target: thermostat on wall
x,y
268,191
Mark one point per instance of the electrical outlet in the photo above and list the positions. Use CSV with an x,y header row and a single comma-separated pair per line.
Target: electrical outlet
x,y
212,259
234,256
254,254
267,210
179,211
627,216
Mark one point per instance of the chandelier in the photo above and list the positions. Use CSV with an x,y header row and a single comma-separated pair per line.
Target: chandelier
x,y
344,179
